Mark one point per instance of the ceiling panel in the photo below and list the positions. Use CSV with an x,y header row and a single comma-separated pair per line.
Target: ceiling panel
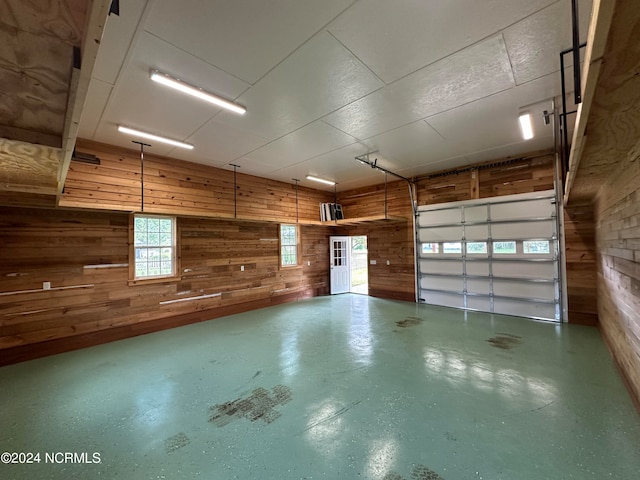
x,y
339,165
376,30
470,127
256,35
219,144
473,73
417,141
309,141
139,103
94,106
523,147
317,79
312,76
535,43
116,39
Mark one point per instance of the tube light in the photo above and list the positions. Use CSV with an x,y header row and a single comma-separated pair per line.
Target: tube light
x,y
150,136
525,126
183,87
321,180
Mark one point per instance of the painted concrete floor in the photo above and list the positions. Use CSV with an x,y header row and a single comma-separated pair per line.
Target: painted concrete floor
x,y
340,387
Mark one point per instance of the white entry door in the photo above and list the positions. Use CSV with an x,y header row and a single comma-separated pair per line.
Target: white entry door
x,y
340,264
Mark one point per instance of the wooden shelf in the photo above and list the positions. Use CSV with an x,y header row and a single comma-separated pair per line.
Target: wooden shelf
x,y
374,219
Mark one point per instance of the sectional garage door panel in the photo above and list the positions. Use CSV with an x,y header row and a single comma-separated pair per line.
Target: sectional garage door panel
x,y
440,217
440,234
513,307
434,283
534,209
523,230
496,255
532,270
445,299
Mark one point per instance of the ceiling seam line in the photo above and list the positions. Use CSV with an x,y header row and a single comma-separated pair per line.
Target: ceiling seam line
x,y
312,36
486,37
127,58
293,131
357,58
506,49
202,60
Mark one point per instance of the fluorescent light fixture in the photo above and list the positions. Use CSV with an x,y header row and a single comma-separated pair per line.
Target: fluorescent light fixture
x,y
321,180
150,136
183,87
525,126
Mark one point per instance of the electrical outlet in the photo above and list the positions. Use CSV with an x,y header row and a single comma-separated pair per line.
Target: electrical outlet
x,y
308,263
373,262
242,268
46,285
388,262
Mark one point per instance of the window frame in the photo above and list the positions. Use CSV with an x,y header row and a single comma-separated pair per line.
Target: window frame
x,y
280,245
175,274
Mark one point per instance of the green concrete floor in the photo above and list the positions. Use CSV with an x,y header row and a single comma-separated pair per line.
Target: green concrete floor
x,y
339,387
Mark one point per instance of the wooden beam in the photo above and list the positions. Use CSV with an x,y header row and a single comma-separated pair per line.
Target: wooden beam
x,y
601,17
79,87
30,136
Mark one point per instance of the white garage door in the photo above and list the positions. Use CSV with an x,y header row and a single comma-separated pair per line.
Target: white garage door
x,y
494,255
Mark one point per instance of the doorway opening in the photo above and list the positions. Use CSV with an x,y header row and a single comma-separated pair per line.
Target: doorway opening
x,y
349,265
359,265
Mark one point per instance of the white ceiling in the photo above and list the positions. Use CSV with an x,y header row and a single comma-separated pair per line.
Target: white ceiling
x,y
429,84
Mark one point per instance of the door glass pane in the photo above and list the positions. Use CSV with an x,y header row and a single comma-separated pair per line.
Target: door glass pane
x,y
430,247
452,247
504,247
536,246
476,247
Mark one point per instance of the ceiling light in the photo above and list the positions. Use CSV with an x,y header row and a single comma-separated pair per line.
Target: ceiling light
x,y
525,126
179,85
150,136
321,180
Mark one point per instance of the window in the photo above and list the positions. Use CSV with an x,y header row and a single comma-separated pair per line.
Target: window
x,y
504,247
476,247
453,247
430,248
536,246
288,245
154,246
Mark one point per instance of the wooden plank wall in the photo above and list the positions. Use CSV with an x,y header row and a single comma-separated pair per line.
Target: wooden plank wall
x,y
89,251
580,255
617,211
182,188
531,174
391,242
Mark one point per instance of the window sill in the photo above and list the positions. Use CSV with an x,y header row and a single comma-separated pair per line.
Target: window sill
x,y
147,281
291,267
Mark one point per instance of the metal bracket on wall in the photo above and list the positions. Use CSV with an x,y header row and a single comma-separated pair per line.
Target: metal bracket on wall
x,y
142,145
235,190
297,180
